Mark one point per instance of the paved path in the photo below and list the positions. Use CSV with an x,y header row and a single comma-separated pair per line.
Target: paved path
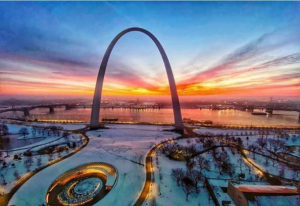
x,y
4,199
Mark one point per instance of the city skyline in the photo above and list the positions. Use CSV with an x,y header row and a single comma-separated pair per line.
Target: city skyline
x,y
235,49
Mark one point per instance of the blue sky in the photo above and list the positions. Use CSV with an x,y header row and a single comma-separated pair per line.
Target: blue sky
x,y
59,46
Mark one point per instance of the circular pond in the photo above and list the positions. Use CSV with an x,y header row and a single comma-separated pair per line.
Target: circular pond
x,y
84,185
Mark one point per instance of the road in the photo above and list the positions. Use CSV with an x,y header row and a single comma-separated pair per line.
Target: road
x,y
149,175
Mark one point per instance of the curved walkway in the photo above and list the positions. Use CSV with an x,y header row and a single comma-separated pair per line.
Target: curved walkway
x,y
4,199
187,135
104,171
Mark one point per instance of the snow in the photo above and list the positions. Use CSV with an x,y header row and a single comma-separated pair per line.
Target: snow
x,y
14,165
267,166
71,126
87,185
165,191
123,146
267,189
275,200
217,185
14,130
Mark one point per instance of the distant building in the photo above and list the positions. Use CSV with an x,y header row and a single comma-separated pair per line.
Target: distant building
x,y
226,192
246,194
217,189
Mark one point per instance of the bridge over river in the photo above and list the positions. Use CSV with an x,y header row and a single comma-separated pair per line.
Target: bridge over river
x,y
26,109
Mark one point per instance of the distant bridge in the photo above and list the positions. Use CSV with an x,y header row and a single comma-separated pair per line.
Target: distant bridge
x,y
268,107
26,109
273,107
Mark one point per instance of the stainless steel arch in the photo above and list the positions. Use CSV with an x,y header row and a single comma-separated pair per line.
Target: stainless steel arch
x,y
99,84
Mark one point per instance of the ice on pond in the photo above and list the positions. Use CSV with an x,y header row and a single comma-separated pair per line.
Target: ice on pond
x,y
87,185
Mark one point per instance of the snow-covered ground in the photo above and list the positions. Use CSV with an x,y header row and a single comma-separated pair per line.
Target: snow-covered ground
x,y
16,169
165,191
15,128
273,168
124,146
72,126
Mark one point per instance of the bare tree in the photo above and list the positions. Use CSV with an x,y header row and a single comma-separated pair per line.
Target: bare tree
x,y
39,162
4,129
190,164
177,174
59,153
276,144
23,131
50,157
16,175
240,142
253,149
3,182
28,162
240,161
65,135
196,177
262,142
267,162
203,163
281,172
34,130
294,138
249,168
187,186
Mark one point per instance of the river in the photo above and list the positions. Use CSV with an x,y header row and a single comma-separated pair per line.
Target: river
x,y
166,115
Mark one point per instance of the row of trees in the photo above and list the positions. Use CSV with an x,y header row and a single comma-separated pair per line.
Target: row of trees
x,y
278,133
49,130
258,128
28,162
273,145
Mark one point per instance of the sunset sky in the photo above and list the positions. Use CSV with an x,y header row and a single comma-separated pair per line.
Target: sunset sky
x,y
215,48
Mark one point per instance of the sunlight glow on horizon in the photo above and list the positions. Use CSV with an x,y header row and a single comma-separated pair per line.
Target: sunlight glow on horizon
x,y
54,52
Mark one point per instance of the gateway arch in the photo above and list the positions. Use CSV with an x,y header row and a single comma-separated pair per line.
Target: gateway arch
x,y
99,84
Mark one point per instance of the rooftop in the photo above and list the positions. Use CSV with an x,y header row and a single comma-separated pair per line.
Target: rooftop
x,y
267,189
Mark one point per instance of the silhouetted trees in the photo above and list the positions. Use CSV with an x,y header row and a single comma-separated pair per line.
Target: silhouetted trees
x,y
187,186
23,131
196,177
253,149
190,164
4,129
281,172
177,174
28,162
39,162
16,175
203,163
262,142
